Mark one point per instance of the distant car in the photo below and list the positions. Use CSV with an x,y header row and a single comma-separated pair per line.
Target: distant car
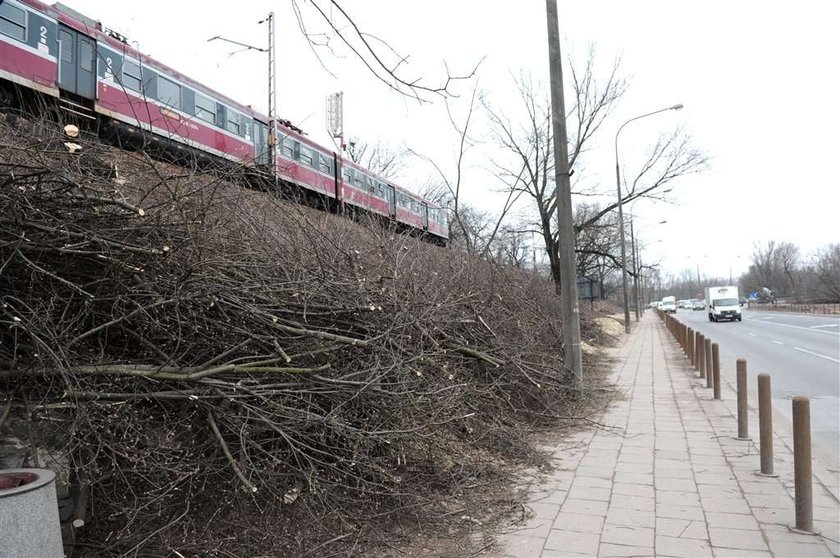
x,y
669,305
698,304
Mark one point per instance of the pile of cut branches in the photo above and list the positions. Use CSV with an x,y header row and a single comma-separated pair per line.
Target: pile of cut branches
x,y
229,374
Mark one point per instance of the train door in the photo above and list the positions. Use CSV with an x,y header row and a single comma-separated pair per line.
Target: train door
x,y
424,210
261,143
392,200
76,63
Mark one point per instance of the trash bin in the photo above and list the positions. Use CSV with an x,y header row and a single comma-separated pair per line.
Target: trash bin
x,y
29,525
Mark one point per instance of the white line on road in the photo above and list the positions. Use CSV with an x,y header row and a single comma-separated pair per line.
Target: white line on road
x,y
826,325
777,342
753,334
817,354
832,333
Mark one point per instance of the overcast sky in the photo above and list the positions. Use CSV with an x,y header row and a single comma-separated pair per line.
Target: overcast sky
x,y
759,81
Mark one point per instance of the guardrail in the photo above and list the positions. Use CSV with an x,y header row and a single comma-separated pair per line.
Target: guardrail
x,y
832,309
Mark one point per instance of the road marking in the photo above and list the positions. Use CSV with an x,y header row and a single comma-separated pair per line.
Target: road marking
x,y
753,334
777,342
826,325
817,354
832,333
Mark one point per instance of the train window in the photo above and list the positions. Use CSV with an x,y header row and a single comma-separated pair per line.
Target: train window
x,y
306,155
233,122
169,92
347,172
325,164
369,184
65,46
12,21
358,178
380,190
205,108
86,55
287,148
131,77
402,200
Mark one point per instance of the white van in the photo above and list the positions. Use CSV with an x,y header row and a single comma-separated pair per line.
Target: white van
x,y
669,305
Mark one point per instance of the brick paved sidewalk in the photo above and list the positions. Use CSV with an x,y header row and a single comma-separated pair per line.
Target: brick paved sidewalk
x,y
670,480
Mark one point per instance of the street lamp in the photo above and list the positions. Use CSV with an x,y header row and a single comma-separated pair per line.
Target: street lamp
x,y
634,255
621,213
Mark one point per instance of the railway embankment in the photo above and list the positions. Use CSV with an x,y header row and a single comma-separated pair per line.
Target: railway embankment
x,y
214,371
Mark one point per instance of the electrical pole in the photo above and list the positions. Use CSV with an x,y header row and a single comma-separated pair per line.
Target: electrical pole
x,y
272,89
565,227
272,100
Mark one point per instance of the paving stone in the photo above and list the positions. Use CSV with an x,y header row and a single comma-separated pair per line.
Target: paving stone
x,y
683,473
682,528
678,498
679,512
579,522
814,550
725,505
634,478
516,546
590,493
544,510
683,485
682,548
632,502
590,507
594,482
643,490
631,518
781,516
731,520
625,467
630,536
598,472
533,527
613,550
554,497
747,539
567,541
738,553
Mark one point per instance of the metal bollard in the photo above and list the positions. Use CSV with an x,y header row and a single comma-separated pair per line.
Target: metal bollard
x,y
716,370
689,349
741,381
765,425
804,501
698,342
709,378
701,354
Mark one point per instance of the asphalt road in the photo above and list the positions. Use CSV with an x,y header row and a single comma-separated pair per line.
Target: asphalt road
x,y
801,354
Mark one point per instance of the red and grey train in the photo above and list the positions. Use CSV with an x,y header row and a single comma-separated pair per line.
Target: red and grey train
x,y
62,54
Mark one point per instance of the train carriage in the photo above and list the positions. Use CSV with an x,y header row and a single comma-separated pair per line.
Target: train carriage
x,y
93,73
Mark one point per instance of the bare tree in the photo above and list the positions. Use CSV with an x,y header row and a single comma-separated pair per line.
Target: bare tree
x,y
674,155
384,160
827,268
375,54
474,228
529,170
776,266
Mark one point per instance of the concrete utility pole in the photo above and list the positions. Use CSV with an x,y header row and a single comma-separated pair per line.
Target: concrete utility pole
x,y
565,227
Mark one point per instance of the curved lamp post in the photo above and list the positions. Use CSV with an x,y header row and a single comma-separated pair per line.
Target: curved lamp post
x,y
634,256
621,213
